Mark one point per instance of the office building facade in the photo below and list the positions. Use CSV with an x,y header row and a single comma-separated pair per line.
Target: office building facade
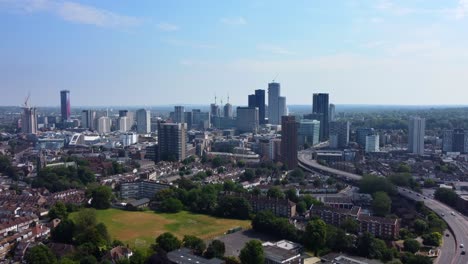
x,y
361,134
289,141
274,90
179,116
320,106
416,132
308,133
339,134
247,119
65,105
258,100
88,118
143,118
455,140
172,141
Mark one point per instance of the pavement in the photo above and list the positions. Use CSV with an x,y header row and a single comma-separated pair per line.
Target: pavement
x,y
451,252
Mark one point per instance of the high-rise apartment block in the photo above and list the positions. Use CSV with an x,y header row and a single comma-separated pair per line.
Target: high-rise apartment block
x,y
372,143
289,141
103,125
331,113
179,116
274,116
65,105
416,132
126,120
247,119
29,120
455,141
361,134
339,134
143,118
228,110
88,118
172,141
320,106
201,120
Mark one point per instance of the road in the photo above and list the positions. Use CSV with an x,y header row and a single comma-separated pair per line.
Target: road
x,y
458,224
450,251
304,158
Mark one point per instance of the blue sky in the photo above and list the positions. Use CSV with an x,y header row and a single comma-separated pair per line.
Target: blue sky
x,y
152,52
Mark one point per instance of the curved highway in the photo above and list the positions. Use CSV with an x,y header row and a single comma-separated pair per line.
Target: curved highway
x,y
457,223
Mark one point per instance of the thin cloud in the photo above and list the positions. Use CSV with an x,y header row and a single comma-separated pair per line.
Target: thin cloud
x,y
168,27
462,9
72,12
233,21
188,44
275,49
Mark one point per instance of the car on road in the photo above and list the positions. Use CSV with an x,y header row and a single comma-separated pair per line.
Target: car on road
x,y
442,214
462,246
452,213
447,234
463,252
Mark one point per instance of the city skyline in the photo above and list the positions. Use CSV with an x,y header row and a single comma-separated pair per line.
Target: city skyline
x,y
156,53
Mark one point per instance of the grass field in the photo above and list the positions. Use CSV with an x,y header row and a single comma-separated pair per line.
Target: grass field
x,y
139,229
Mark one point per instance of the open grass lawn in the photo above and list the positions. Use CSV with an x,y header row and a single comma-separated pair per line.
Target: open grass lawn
x,y
139,229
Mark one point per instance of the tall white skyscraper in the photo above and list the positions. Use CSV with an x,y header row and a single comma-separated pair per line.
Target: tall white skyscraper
x,y
143,117
103,125
416,132
274,91
123,124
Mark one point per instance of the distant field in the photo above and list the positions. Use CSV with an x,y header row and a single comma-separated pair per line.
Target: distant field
x,y
139,229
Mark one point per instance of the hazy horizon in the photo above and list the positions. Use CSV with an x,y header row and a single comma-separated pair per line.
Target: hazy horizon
x,y
391,52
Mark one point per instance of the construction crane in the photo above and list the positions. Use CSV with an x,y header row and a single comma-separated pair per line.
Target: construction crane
x,y
27,100
276,76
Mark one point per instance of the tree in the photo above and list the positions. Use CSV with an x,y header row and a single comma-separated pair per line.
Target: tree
x,y
291,194
411,245
371,184
59,210
252,253
275,192
40,254
432,239
64,232
194,243
85,218
248,175
350,225
381,204
137,258
215,249
310,200
301,207
101,197
418,259
420,226
446,196
168,242
315,235
233,207
171,205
